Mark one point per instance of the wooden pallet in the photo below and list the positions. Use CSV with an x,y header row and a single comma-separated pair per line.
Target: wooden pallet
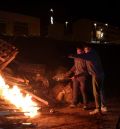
x,y
7,53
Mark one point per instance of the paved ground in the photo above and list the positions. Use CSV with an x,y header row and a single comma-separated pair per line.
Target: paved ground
x,y
67,118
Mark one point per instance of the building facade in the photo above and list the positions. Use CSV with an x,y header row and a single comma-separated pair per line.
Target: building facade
x,y
14,24
84,30
60,31
95,32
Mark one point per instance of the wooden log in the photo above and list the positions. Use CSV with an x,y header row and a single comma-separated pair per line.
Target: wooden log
x,y
15,79
25,91
2,59
7,113
9,60
15,83
35,97
8,109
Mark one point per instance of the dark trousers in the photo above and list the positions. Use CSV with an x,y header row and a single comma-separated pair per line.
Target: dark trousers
x,y
79,85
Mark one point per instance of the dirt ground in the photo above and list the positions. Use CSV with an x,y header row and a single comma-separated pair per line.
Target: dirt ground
x,y
77,118
65,117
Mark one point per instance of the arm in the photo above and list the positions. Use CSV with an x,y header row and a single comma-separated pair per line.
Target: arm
x,y
70,71
86,56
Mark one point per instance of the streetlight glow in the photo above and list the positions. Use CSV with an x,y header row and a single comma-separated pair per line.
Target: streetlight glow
x,y
66,23
51,10
51,16
95,24
106,24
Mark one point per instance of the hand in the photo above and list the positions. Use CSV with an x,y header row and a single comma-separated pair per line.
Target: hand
x,y
70,56
66,75
72,78
26,81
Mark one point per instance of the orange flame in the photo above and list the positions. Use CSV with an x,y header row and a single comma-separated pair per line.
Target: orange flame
x,y
16,97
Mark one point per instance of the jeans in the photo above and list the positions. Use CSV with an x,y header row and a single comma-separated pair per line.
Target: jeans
x,y
79,83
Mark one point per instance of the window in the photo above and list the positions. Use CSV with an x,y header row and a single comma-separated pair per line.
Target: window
x,y
68,29
2,28
20,28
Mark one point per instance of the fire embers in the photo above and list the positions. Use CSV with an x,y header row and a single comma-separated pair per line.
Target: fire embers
x,y
59,77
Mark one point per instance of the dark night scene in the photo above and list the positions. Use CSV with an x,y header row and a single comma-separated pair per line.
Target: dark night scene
x,y
59,64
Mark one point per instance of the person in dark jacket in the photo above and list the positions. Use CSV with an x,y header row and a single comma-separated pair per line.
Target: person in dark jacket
x,y
95,69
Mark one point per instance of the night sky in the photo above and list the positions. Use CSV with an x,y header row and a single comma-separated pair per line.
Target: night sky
x,y
101,10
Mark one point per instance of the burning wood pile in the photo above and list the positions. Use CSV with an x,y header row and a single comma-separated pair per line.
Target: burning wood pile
x,y
15,96
36,73
21,101
9,90
25,93
55,86
29,89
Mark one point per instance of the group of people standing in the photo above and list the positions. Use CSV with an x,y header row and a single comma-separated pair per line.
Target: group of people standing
x,y
87,62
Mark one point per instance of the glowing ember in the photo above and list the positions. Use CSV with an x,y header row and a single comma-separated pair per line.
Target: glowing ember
x,y
60,77
22,102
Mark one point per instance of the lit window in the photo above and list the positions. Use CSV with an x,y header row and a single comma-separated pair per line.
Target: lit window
x,y
99,34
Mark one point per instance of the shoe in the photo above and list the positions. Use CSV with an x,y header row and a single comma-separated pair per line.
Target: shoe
x,y
72,106
85,107
95,111
79,104
104,109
